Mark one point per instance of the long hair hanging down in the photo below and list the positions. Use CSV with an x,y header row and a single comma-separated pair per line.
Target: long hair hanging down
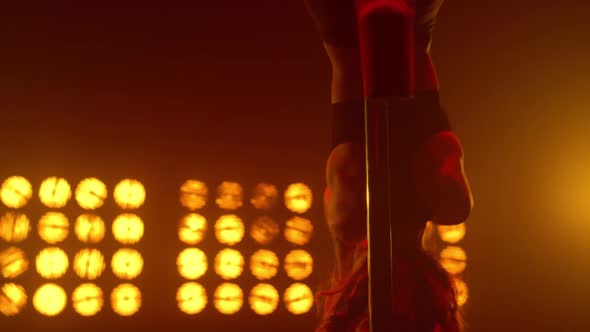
x,y
424,297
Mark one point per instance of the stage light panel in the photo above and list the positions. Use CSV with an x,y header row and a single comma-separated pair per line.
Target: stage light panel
x,y
192,263
50,300
52,263
14,227
192,229
298,198
230,195
228,298
128,228
129,194
16,192
87,299
191,298
91,193
194,195
126,299
229,229
53,227
298,230
89,264
263,299
55,192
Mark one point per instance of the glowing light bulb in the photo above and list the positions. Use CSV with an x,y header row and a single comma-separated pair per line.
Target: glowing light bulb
x,y
193,195
265,196
16,192
298,264
229,195
229,229
228,298
89,264
452,233
13,299
192,229
129,194
128,228
264,264
52,263
91,193
191,298
87,299
229,264
127,263
263,299
298,198
191,263
298,299
298,230
14,227
126,299
55,192
264,230
53,227
50,300
89,228
13,262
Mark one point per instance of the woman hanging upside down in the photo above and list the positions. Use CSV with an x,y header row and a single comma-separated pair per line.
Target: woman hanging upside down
x,y
381,49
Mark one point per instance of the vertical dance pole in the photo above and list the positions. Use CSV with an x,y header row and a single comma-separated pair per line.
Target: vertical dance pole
x,y
386,39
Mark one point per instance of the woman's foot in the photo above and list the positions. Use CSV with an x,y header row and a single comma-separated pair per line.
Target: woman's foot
x,y
440,178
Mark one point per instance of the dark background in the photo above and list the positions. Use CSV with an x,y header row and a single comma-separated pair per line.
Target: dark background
x,y
240,89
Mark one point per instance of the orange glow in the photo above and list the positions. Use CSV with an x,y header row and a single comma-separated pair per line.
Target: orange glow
x,y
90,228
128,228
264,299
298,198
14,227
192,229
298,299
129,194
230,195
127,263
191,298
55,192
192,263
16,192
462,291
228,298
264,264
193,195
50,300
13,299
13,262
264,230
428,242
229,264
89,264
53,227
453,259
87,299
452,233
298,230
265,196
126,299
52,263
229,229
298,264
91,193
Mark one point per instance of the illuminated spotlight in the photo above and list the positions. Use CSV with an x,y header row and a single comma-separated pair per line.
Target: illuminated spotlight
x,y
229,229
452,233
453,259
298,198
13,299
52,263
462,291
16,192
264,264
229,264
191,298
50,300
14,227
89,264
191,263
126,299
298,299
128,228
87,299
89,228
428,242
127,263
263,299
298,264
53,227
264,230
55,192
192,229
228,298
298,230
13,262
193,195
129,194
265,196
229,195
91,193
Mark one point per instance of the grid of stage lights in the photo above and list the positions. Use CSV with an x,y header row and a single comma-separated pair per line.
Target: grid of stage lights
x,y
219,217
52,262
451,255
